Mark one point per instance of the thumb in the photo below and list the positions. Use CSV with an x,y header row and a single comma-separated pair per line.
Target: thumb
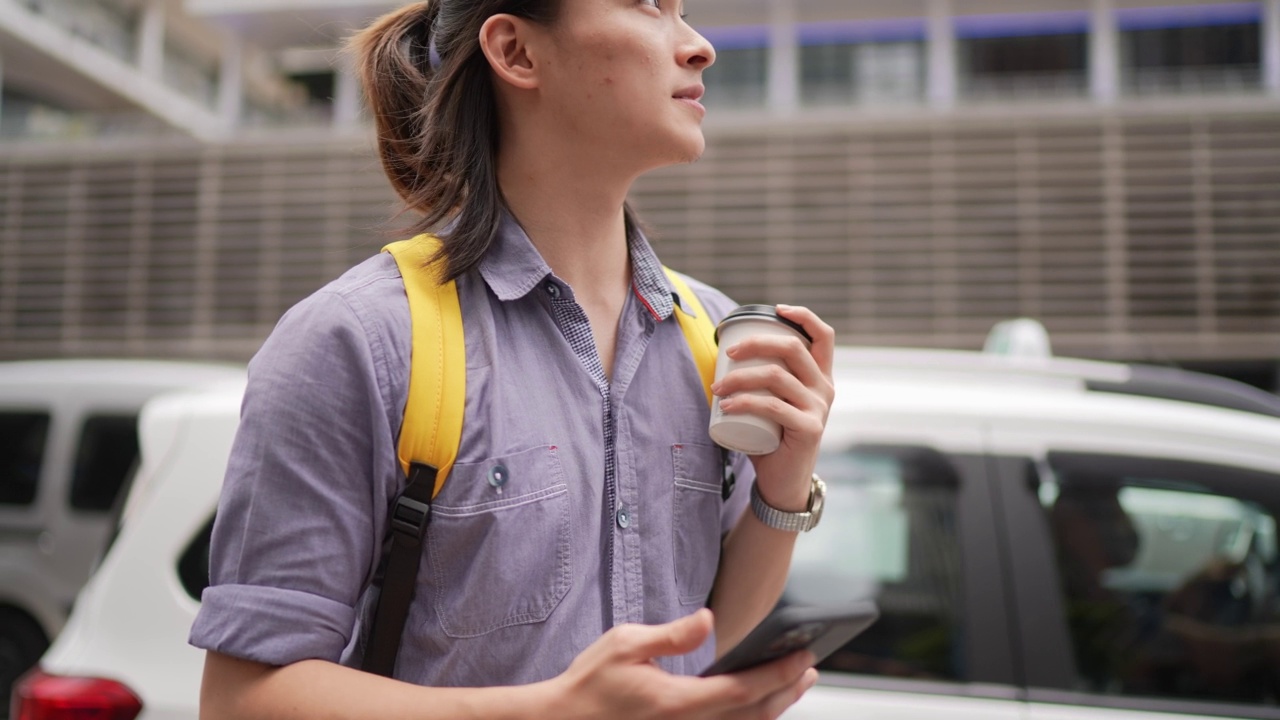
x,y
674,638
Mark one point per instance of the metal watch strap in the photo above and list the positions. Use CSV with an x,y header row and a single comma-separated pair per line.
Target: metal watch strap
x,y
791,521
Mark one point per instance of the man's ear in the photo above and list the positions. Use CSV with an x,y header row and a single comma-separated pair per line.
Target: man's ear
x,y
505,42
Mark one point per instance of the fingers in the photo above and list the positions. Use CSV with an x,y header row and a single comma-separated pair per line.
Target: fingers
x,y
618,671
645,642
771,379
791,351
824,336
751,689
774,705
811,363
794,420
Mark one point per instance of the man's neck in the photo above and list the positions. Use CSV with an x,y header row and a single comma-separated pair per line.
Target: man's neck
x,y
577,224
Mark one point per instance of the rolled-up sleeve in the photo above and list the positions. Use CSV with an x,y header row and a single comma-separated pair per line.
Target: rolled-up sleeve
x,y
310,476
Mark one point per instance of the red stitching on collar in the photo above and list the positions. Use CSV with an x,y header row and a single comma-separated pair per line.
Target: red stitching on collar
x,y
636,289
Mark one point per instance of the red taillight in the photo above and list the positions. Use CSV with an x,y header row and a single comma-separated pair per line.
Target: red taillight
x,y
40,696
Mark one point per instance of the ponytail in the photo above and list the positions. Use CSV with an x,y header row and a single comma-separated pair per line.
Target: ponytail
x,y
429,89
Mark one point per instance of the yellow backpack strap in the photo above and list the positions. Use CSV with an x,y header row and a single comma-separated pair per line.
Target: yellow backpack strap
x,y
698,330
432,426
429,436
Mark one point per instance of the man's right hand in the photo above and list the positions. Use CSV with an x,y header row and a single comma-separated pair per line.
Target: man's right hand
x,y
616,678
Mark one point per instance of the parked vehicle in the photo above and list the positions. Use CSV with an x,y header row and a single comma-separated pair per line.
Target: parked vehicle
x,y
1047,539
68,444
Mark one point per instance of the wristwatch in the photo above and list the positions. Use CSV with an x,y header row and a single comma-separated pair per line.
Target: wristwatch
x,y
791,521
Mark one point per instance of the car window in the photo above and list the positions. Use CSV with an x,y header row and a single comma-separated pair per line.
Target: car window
x,y
193,565
888,534
1170,575
22,441
106,454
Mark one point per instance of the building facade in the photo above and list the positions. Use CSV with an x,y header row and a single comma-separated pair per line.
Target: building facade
x,y
914,170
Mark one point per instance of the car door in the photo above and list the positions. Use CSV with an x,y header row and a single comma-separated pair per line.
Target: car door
x,y
1146,587
908,526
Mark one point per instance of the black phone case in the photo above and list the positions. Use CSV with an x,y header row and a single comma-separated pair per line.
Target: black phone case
x,y
821,630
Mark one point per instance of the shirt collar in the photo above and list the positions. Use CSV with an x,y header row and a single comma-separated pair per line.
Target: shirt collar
x,y
513,267
648,278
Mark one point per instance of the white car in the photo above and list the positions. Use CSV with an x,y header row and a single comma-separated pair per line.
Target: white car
x,y
68,446
1046,539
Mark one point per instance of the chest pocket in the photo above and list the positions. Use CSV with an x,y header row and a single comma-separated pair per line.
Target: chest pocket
x,y
498,545
697,503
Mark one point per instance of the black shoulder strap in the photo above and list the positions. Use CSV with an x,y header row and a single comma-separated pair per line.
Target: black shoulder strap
x,y
409,519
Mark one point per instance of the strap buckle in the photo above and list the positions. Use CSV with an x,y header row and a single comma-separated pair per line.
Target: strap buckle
x,y
409,519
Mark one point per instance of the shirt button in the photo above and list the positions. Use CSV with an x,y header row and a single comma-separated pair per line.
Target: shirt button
x,y
624,518
553,290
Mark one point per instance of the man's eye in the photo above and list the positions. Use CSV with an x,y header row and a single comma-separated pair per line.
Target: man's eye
x,y
651,3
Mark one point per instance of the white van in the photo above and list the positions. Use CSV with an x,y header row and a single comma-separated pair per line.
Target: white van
x,y
68,445
1047,539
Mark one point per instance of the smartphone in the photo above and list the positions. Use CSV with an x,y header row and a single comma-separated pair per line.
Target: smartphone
x,y
820,630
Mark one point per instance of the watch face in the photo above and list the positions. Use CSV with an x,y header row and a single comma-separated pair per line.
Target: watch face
x,y
819,500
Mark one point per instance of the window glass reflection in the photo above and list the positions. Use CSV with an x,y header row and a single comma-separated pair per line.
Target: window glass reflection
x,y
862,73
888,535
1170,574
22,442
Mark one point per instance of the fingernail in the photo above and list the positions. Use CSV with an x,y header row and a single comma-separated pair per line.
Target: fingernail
x,y
726,403
780,306
715,388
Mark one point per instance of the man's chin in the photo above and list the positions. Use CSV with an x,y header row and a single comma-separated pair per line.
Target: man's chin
x,y
684,149
694,148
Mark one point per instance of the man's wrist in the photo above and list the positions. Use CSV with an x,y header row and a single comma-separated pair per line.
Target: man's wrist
x,y
793,498
539,700
791,520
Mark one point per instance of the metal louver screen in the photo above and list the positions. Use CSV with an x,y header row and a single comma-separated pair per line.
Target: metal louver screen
x,y
1140,236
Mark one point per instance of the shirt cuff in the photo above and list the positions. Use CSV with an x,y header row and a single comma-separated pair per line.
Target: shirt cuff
x,y
273,626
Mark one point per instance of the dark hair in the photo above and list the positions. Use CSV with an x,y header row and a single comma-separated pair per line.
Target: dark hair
x,y
430,91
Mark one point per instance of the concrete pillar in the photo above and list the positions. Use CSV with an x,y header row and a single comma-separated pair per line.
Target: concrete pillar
x,y
1271,46
151,33
943,77
231,83
346,96
784,58
1104,53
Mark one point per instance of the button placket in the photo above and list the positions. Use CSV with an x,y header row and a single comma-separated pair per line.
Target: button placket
x,y
576,328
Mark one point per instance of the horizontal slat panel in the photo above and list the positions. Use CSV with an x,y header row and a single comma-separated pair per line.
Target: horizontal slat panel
x,y
1128,235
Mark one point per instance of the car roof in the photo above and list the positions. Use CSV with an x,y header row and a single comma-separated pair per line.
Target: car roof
x,y
1026,373
114,373
933,372
971,402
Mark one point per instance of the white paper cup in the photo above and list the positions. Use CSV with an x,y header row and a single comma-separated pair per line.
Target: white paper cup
x,y
749,434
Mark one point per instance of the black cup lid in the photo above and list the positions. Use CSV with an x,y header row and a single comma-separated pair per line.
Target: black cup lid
x,y
757,312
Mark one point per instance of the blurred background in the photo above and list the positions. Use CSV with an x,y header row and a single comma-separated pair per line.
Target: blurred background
x,y
174,174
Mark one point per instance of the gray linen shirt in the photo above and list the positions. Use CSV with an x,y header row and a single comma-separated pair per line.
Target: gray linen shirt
x,y
612,510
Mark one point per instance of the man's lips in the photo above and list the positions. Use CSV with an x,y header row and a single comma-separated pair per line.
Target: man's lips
x,y
693,92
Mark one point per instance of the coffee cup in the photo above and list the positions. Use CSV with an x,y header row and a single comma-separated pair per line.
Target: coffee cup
x,y
749,434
